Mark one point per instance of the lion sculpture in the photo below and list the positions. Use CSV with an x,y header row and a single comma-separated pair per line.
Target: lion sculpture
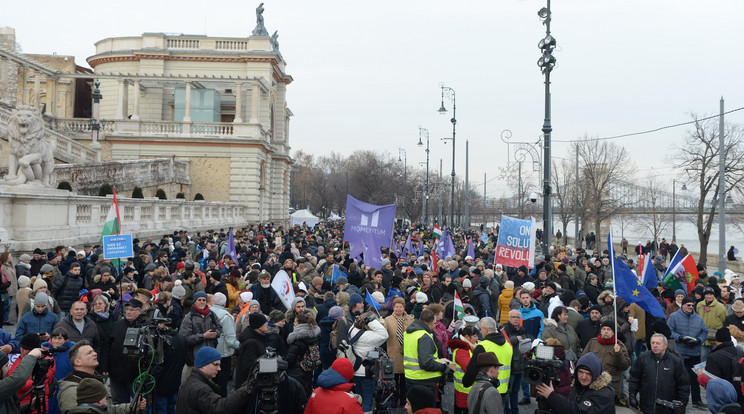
x,y
31,159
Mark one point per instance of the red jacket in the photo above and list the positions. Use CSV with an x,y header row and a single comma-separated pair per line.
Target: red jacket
x,y
29,384
461,351
334,400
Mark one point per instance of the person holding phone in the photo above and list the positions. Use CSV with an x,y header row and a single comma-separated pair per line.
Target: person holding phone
x,y
200,327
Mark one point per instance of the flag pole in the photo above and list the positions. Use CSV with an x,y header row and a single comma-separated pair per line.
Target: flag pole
x,y
614,281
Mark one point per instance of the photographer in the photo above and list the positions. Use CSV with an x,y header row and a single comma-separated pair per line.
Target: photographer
x,y
200,327
11,384
28,343
591,393
200,395
123,368
369,334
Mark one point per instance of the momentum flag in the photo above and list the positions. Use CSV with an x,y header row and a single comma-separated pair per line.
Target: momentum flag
x,y
230,249
629,287
683,275
471,250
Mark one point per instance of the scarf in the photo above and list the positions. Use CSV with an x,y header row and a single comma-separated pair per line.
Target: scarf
x,y
104,315
603,341
202,312
399,329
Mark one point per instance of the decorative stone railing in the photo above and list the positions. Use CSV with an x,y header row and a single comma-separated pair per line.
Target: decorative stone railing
x,y
48,220
78,125
124,175
66,149
163,128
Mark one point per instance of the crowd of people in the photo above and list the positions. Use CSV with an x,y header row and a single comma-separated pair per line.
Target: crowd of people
x,y
211,323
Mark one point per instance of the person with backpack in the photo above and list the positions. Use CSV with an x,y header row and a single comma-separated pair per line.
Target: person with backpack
x,y
725,362
484,396
367,334
328,335
303,352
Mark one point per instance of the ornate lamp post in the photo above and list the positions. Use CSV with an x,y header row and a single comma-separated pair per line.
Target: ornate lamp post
x,y
426,183
449,93
546,64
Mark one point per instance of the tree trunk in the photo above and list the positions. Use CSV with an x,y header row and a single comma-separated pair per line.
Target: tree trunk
x,y
704,239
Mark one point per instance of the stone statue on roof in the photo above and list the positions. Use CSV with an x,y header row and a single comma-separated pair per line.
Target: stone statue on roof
x,y
275,43
260,29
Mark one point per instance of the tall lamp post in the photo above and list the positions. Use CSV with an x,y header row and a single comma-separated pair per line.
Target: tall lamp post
x,y
423,131
674,208
405,179
449,93
546,64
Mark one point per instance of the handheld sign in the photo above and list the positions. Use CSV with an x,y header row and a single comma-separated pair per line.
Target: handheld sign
x,y
516,244
118,246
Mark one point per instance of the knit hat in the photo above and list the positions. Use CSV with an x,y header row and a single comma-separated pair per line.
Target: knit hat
x,y
467,283
379,297
30,341
198,295
178,292
679,292
595,308
608,323
41,298
276,315
297,300
420,397
38,251
523,269
180,265
344,367
723,335
207,355
219,299
551,285
24,282
254,302
256,320
528,286
421,297
509,285
487,359
51,256
687,299
336,312
46,269
246,296
90,390
719,392
536,293
591,362
354,299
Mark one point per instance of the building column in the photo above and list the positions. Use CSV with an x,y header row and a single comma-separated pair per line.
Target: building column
x,y
37,89
238,104
4,90
187,104
135,115
123,104
255,92
51,96
24,80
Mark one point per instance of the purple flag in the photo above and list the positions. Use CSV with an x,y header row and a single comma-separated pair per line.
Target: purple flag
x,y
449,247
471,250
365,222
408,247
230,249
372,254
442,241
356,250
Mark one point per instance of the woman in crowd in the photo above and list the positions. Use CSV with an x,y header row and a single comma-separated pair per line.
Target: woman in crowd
x,y
557,327
367,333
396,324
302,345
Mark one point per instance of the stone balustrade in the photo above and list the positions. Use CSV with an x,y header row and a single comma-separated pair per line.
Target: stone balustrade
x,y
57,218
125,175
164,128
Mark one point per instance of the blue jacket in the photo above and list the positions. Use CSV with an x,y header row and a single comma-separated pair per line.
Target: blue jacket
x,y
36,323
532,320
62,364
692,325
6,339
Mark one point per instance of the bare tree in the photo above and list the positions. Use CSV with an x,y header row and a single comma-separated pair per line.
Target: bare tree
x,y
565,191
656,217
604,164
699,158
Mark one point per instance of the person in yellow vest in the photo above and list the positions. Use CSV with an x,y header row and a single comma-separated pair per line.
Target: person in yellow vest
x,y
493,341
421,361
462,350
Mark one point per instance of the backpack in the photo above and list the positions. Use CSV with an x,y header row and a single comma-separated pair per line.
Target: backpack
x,y
345,350
311,360
333,336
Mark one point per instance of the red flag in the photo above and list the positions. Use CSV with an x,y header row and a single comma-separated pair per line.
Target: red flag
x,y
434,261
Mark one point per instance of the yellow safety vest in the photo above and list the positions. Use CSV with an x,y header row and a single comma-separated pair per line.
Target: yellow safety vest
x,y
504,354
410,356
460,373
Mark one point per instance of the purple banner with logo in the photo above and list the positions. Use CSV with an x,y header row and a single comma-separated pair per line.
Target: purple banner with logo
x,y
365,222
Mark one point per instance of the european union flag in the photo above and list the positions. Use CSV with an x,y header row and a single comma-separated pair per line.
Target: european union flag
x,y
337,273
630,287
372,301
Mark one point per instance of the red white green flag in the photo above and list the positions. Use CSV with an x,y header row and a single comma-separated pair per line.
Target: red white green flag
x,y
459,309
112,226
437,232
683,275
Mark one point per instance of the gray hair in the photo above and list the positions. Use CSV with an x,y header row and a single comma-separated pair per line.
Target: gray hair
x,y
488,323
658,335
515,311
488,273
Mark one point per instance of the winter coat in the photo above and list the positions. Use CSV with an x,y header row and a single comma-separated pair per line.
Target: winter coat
x,y
587,330
104,324
613,363
471,373
372,338
33,322
227,343
193,327
67,394
71,292
564,334
574,317
655,377
252,347
53,305
9,271
90,331
7,339
482,298
327,353
333,395
532,320
683,324
592,292
713,316
637,313
461,352
200,395
10,385
120,366
518,361
719,361
298,343
504,305
323,308
442,335
395,348
48,381
175,359
490,397
597,398
426,350
734,320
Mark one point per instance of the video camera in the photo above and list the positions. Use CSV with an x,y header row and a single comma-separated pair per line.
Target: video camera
x,y
676,406
139,341
379,365
544,368
270,371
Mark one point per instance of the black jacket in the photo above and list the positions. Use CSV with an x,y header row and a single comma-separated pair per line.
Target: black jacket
x,y
175,359
67,290
252,347
586,330
719,361
200,395
90,331
597,398
124,366
472,371
655,377
592,292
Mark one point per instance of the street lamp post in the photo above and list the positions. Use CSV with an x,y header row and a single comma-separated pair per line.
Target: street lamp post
x,y
546,64
426,184
405,179
449,93
674,208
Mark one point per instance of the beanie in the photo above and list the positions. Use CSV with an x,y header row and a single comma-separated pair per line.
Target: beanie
x,y
608,323
276,315
198,295
723,335
354,299
206,355
528,286
40,283
30,341
421,297
256,320
420,397
219,299
467,283
379,297
41,298
178,291
336,312
344,367
181,265
687,300
90,390
509,284
24,282
246,296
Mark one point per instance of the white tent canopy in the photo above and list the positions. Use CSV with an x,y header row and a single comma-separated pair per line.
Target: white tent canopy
x,y
303,216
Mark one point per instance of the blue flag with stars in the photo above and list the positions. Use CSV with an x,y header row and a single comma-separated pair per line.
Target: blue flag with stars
x,y
630,287
337,273
371,301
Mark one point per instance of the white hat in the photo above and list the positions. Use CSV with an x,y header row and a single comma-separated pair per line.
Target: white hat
x,y
379,297
246,296
421,297
528,286
467,283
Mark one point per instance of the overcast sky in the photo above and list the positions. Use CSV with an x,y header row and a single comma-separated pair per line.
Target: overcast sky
x,y
367,74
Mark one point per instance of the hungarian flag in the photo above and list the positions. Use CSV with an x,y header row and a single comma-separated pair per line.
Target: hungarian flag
x,y
683,275
112,226
437,232
459,309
